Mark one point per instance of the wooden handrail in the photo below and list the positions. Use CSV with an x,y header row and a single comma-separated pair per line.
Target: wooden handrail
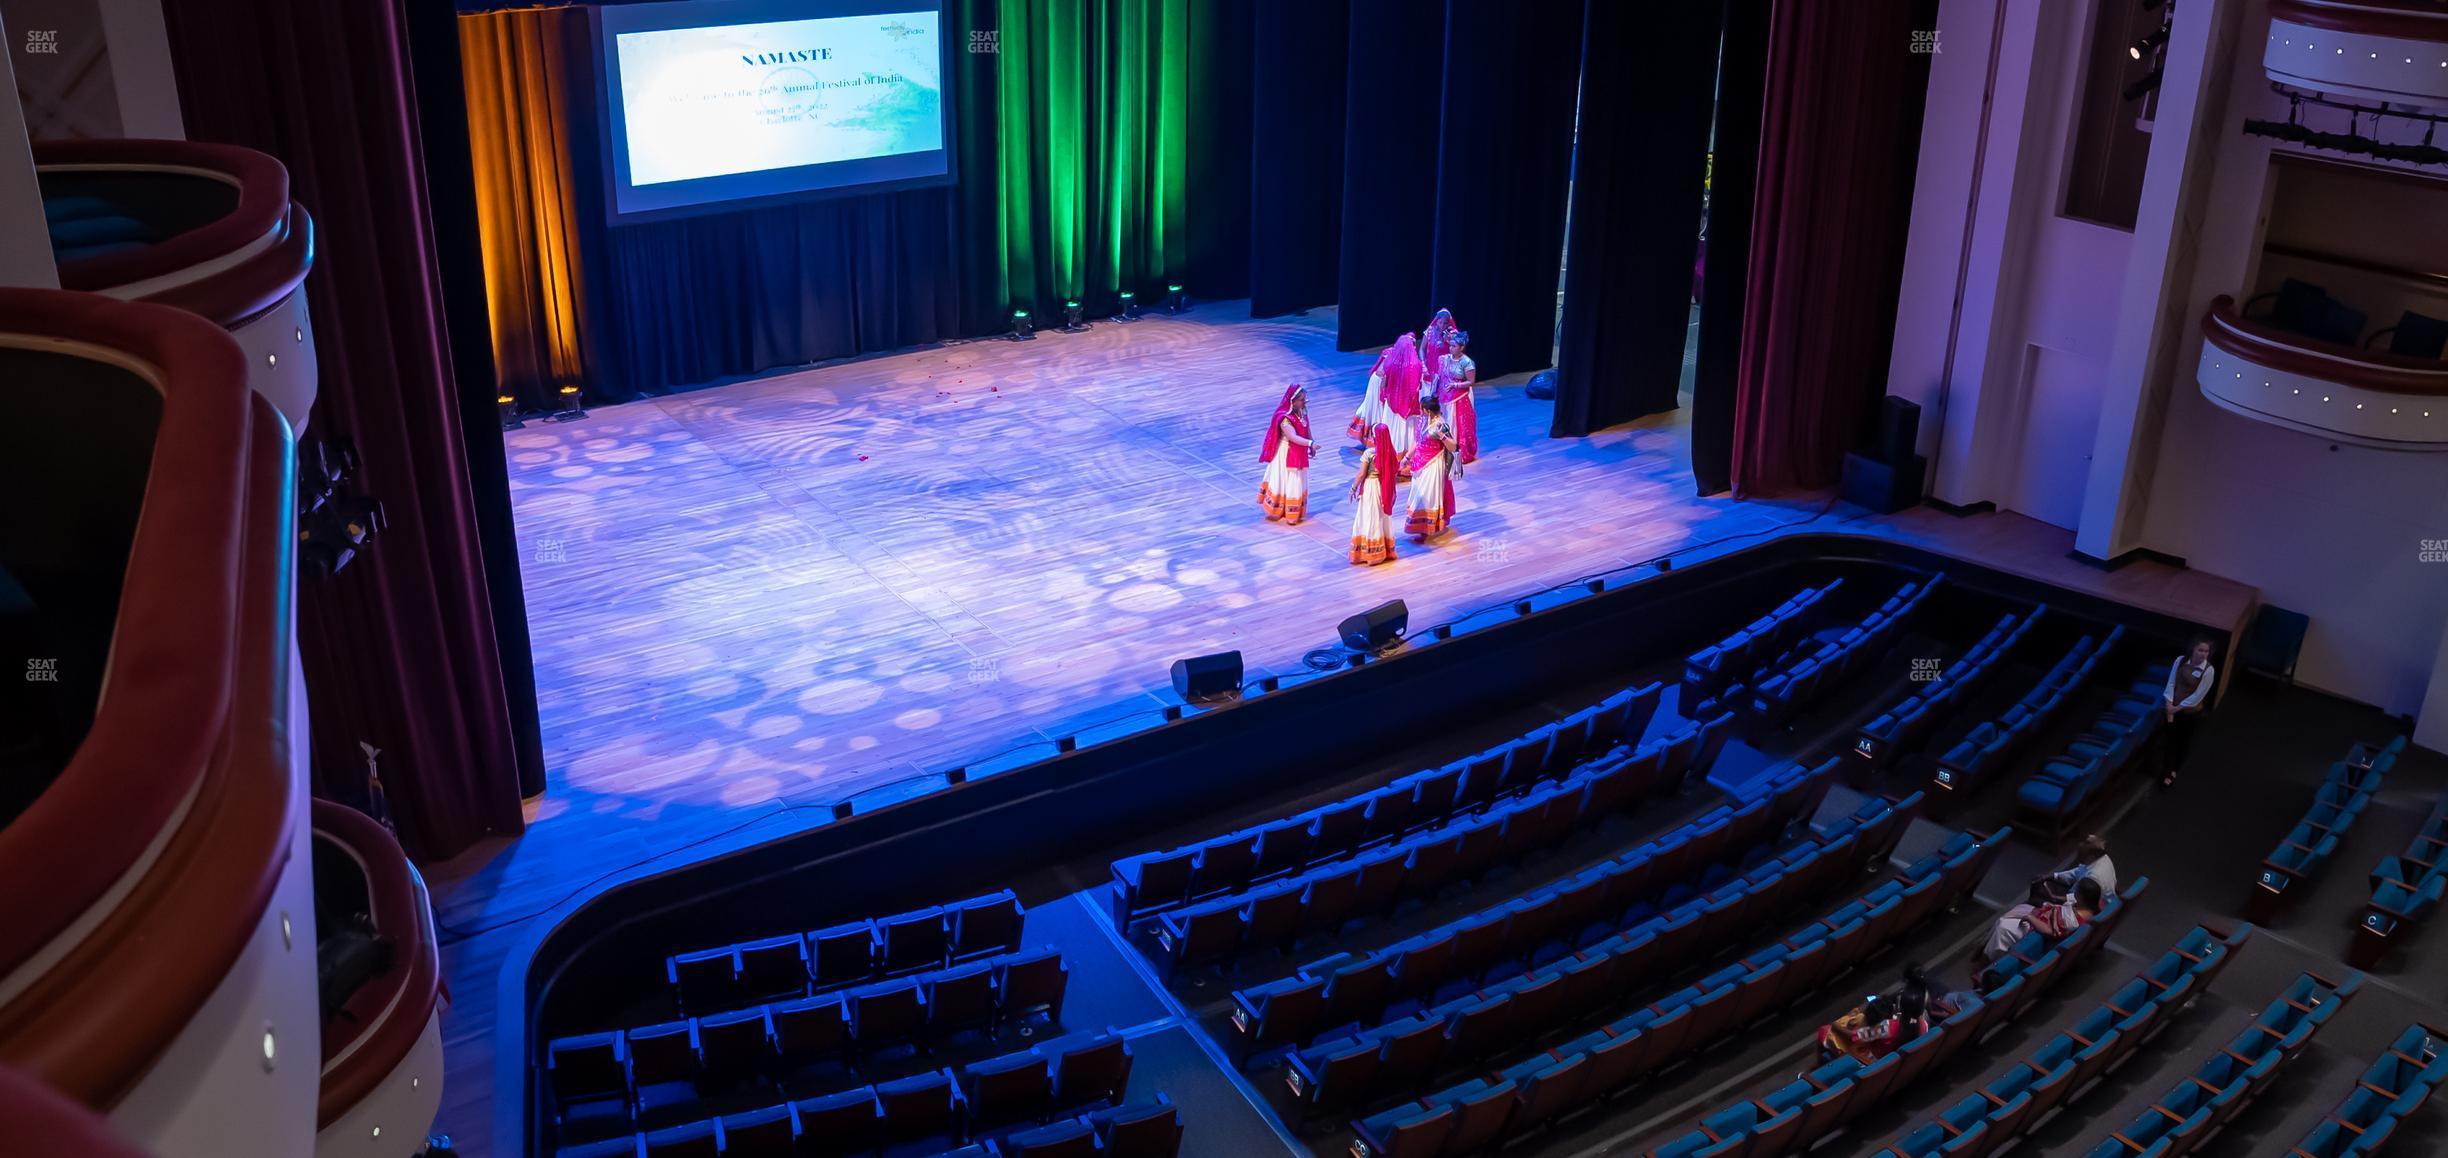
x,y
392,1008
2265,345
159,846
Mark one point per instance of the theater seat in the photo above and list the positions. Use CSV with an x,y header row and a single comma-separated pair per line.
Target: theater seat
x,y
1139,1129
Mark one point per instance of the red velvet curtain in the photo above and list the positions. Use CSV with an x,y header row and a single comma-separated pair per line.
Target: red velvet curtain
x,y
1839,138
399,648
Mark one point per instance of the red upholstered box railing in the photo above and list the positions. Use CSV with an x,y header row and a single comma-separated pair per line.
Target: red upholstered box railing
x,y
380,1022
140,873
274,235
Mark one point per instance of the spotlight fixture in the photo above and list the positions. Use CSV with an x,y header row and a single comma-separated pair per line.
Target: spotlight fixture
x,y
1072,323
2142,88
2149,43
506,407
1175,300
1024,327
567,405
1130,308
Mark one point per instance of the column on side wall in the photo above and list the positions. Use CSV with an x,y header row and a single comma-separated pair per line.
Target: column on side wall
x,y
2187,127
25,243
2431,726
1980,147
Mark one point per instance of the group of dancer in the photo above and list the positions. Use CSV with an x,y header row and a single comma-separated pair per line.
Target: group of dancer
x,y
1417,424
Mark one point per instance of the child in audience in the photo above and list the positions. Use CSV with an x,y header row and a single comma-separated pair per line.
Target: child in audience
x,y
1283,493
1879,1025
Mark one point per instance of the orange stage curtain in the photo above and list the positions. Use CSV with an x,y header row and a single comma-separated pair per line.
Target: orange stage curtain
x,y
523,112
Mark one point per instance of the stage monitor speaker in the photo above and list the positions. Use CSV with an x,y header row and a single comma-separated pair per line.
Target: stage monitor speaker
x,y
1207,676
1377,627
1882,487
1899,430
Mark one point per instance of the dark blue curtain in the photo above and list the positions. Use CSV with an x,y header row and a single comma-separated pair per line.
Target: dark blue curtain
x,y
1222,65
702,299
1725,269
1296,181
1510,74
1392,113
1636,195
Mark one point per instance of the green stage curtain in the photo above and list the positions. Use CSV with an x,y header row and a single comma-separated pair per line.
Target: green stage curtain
x,y
1092,149
528,93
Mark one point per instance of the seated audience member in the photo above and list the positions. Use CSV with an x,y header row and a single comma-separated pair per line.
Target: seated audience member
x,y
2091,860
1880,1025
2048,908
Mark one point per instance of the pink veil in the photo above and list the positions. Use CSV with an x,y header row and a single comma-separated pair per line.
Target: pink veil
x,y
1274,434
1402,377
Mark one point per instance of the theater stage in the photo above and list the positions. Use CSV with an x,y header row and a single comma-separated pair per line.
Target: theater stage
x,y
750,601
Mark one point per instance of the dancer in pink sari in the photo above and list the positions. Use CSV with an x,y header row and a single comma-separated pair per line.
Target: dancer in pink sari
x,y
1456,375
1435,342
1392,399
1433,471
1284,492
1372,535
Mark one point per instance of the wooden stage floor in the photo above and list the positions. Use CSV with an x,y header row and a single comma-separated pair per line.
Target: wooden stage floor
x,y
752,600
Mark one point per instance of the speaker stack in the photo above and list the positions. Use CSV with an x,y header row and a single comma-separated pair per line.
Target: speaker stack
x,y
1888,477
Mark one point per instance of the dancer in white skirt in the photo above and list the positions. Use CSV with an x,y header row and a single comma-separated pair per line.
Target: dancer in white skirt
x,y
1284,492
1372,492
1433,471
1392,398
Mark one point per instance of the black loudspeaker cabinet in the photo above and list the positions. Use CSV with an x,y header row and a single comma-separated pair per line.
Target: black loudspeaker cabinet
x,y
1882,487
1205,676
1899,430
1377,627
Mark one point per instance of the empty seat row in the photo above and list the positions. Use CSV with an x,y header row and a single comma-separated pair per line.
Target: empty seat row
x,y
1531,1093
2048,800
1992,744
1903,726
1814,667
1323,898
796,964
1152,882
1461,982
1581,984
2306,848
2404,889
2229,1080
2063,1069
1707,671
656,1074
1137,1130
942,1107
1793,1117
1348,987
2388,1091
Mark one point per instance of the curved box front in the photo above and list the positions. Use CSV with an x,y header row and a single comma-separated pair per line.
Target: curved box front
x,y
2319,389
2375,50
382,1057
209,229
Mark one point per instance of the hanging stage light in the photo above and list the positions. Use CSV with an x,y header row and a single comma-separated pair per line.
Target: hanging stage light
x,y
2142,88
2149,43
